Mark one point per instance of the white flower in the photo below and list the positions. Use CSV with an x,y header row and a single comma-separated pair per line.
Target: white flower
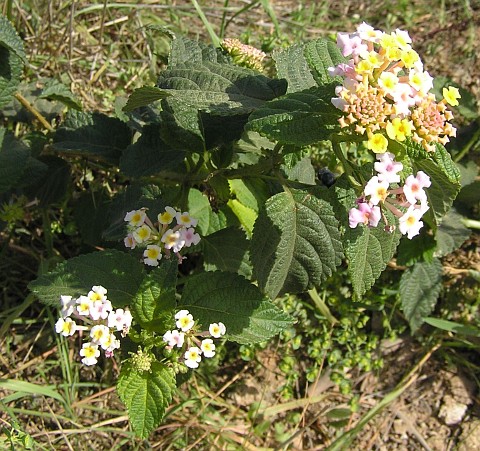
x,y
184,320
173,240
152,255
208,348
377,190
84,304
100,309
129,241
66,327
120,319
109,344
409,223
135,218
413,188
190,237
174,338
184,219
90,353
387,168
97,293
193,357
217,330
100,334
168,216
142,233
68,305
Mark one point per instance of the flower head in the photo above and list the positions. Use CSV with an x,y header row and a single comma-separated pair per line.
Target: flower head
x,y
364,214
135,218
184,320
378,143
217,330
451,95
83,305
174,338
167,216
207,347
65,326
173,240
193,357
68,305
184,219
142,233
409,223
120,319
190,237
377,190
152,255
90,353
387,168
100,334
413,188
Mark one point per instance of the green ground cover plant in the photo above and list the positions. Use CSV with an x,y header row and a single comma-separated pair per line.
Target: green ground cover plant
x,y
236,199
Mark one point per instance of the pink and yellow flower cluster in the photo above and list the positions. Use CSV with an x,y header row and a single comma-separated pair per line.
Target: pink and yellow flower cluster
x,y
161,237
185,337
407,202
99,319
386,91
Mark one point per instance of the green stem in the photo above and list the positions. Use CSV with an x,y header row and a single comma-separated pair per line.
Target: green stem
x,y
322,307
28,106
213,36
47,231
471,223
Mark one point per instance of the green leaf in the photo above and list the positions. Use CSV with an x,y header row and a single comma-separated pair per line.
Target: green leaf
x,y
293,67
251,192
150,154
420,248
28,387
321,54
300,118
446,164
303,171
144,96
13,160
442,191
10,39
154,302
184,50
52,187
296,243
420,286
220,89
182,127
245,215
11,68
219,296
54,90
199,208
146,394
227,250
120,273
451,234
92,135
452,326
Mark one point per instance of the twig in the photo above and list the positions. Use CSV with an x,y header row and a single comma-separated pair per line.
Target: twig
x,y
27,105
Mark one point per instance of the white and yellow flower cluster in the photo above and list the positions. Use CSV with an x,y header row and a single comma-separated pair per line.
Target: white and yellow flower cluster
x,y
185,337
161,237
99,318
386,91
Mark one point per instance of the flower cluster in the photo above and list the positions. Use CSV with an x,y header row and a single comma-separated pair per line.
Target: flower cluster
x,y
243,54
387,91
164,236
411,196
184,337
99,317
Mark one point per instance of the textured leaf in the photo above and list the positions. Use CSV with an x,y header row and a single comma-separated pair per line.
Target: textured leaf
x,y
321,54
250,192
199,208
420,286
150,154
299,118
52,187
13,160
54,90
303,171
446,164
146,395
229,298
451,234
120,273
421,248
154,302
293,67
227,250
220,89
11,68
296,243
245,215
10,39
184,50
92,134
144,96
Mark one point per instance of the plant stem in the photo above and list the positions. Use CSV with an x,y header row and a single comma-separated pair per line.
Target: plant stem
x,y
27,105
471,223
322,307
47,231
213,36
347,166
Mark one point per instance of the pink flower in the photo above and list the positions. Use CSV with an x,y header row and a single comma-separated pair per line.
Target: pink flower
x,y
100,309
120,319
365,214
174,338
190,237
413,188
350,44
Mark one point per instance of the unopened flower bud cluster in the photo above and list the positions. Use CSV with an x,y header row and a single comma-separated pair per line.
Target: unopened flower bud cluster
x,y
386,91
243,54
184,338
99,319
411,196
162,237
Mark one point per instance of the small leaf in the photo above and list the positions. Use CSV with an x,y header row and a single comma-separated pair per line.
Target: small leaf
x,y
321,54
11,68
150,155
300,118
120,273
296,243
13,160
227,250
250,192
10,39
420,286
54,90
154,302
303,171
199,208
219,296
245,215
144,96
92,135
184,50
452,326
146,395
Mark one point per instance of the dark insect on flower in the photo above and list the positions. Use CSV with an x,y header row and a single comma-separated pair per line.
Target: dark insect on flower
x,y
326,177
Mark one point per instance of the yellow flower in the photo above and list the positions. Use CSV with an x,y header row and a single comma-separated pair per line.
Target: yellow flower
x,y
399,129
378,143
409,58
451,95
